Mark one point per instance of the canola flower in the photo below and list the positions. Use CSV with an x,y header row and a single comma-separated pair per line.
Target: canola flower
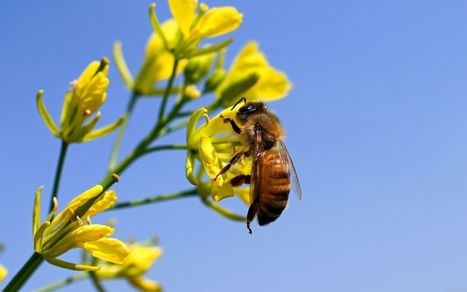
x,y
80,112
139,261
158,61
72,228
213,144
198,22
251,76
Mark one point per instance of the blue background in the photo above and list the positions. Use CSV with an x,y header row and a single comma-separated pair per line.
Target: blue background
x,y
376,122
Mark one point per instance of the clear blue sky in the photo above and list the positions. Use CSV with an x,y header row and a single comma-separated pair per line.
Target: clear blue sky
x,y
376,122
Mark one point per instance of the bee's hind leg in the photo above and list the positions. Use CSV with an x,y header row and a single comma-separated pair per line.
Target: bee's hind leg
x,y
251,214
240,180
232,161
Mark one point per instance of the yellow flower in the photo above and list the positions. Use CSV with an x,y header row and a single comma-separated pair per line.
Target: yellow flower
x,y
72,228
3,273
203,22
213,144
158,62
252,77
80,109
139,261
212,22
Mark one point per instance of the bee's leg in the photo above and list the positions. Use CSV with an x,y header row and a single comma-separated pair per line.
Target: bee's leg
x,y
251,214
234,125
240,180
233,160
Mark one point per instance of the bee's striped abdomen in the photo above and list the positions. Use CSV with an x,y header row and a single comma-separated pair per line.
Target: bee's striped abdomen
x,y
274,188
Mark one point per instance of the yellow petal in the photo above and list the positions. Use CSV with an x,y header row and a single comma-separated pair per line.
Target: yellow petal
x,y
221,191
78,237
158,62
144,284
243,194
89,72
107,249
84,197
218,21
249,58
237,85
141,258
3,273
87,233
208,156
183,12
155,44
106,201
49,122
271,85
190,168
93,93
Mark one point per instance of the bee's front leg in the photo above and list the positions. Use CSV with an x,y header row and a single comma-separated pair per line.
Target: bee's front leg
x,y
234,125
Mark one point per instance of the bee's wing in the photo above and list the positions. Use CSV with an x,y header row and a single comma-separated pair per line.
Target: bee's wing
x,y
255,179
285,156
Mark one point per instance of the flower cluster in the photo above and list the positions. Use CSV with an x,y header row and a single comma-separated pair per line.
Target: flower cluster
x,y
80,109
177,47
72,228
178,39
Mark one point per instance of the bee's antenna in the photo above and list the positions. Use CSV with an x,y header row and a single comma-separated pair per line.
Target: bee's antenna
x,y
239,101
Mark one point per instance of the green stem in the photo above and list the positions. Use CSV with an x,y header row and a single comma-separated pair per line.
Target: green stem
x,y
24,273
166,147
143,145
62,283
36,259
223,211
95,281
156,199
167,90
122,129
58,173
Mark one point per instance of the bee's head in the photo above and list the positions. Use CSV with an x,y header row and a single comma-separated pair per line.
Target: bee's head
x,y
250,108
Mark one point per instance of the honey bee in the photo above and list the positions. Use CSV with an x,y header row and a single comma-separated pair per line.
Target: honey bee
x,y
273,173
